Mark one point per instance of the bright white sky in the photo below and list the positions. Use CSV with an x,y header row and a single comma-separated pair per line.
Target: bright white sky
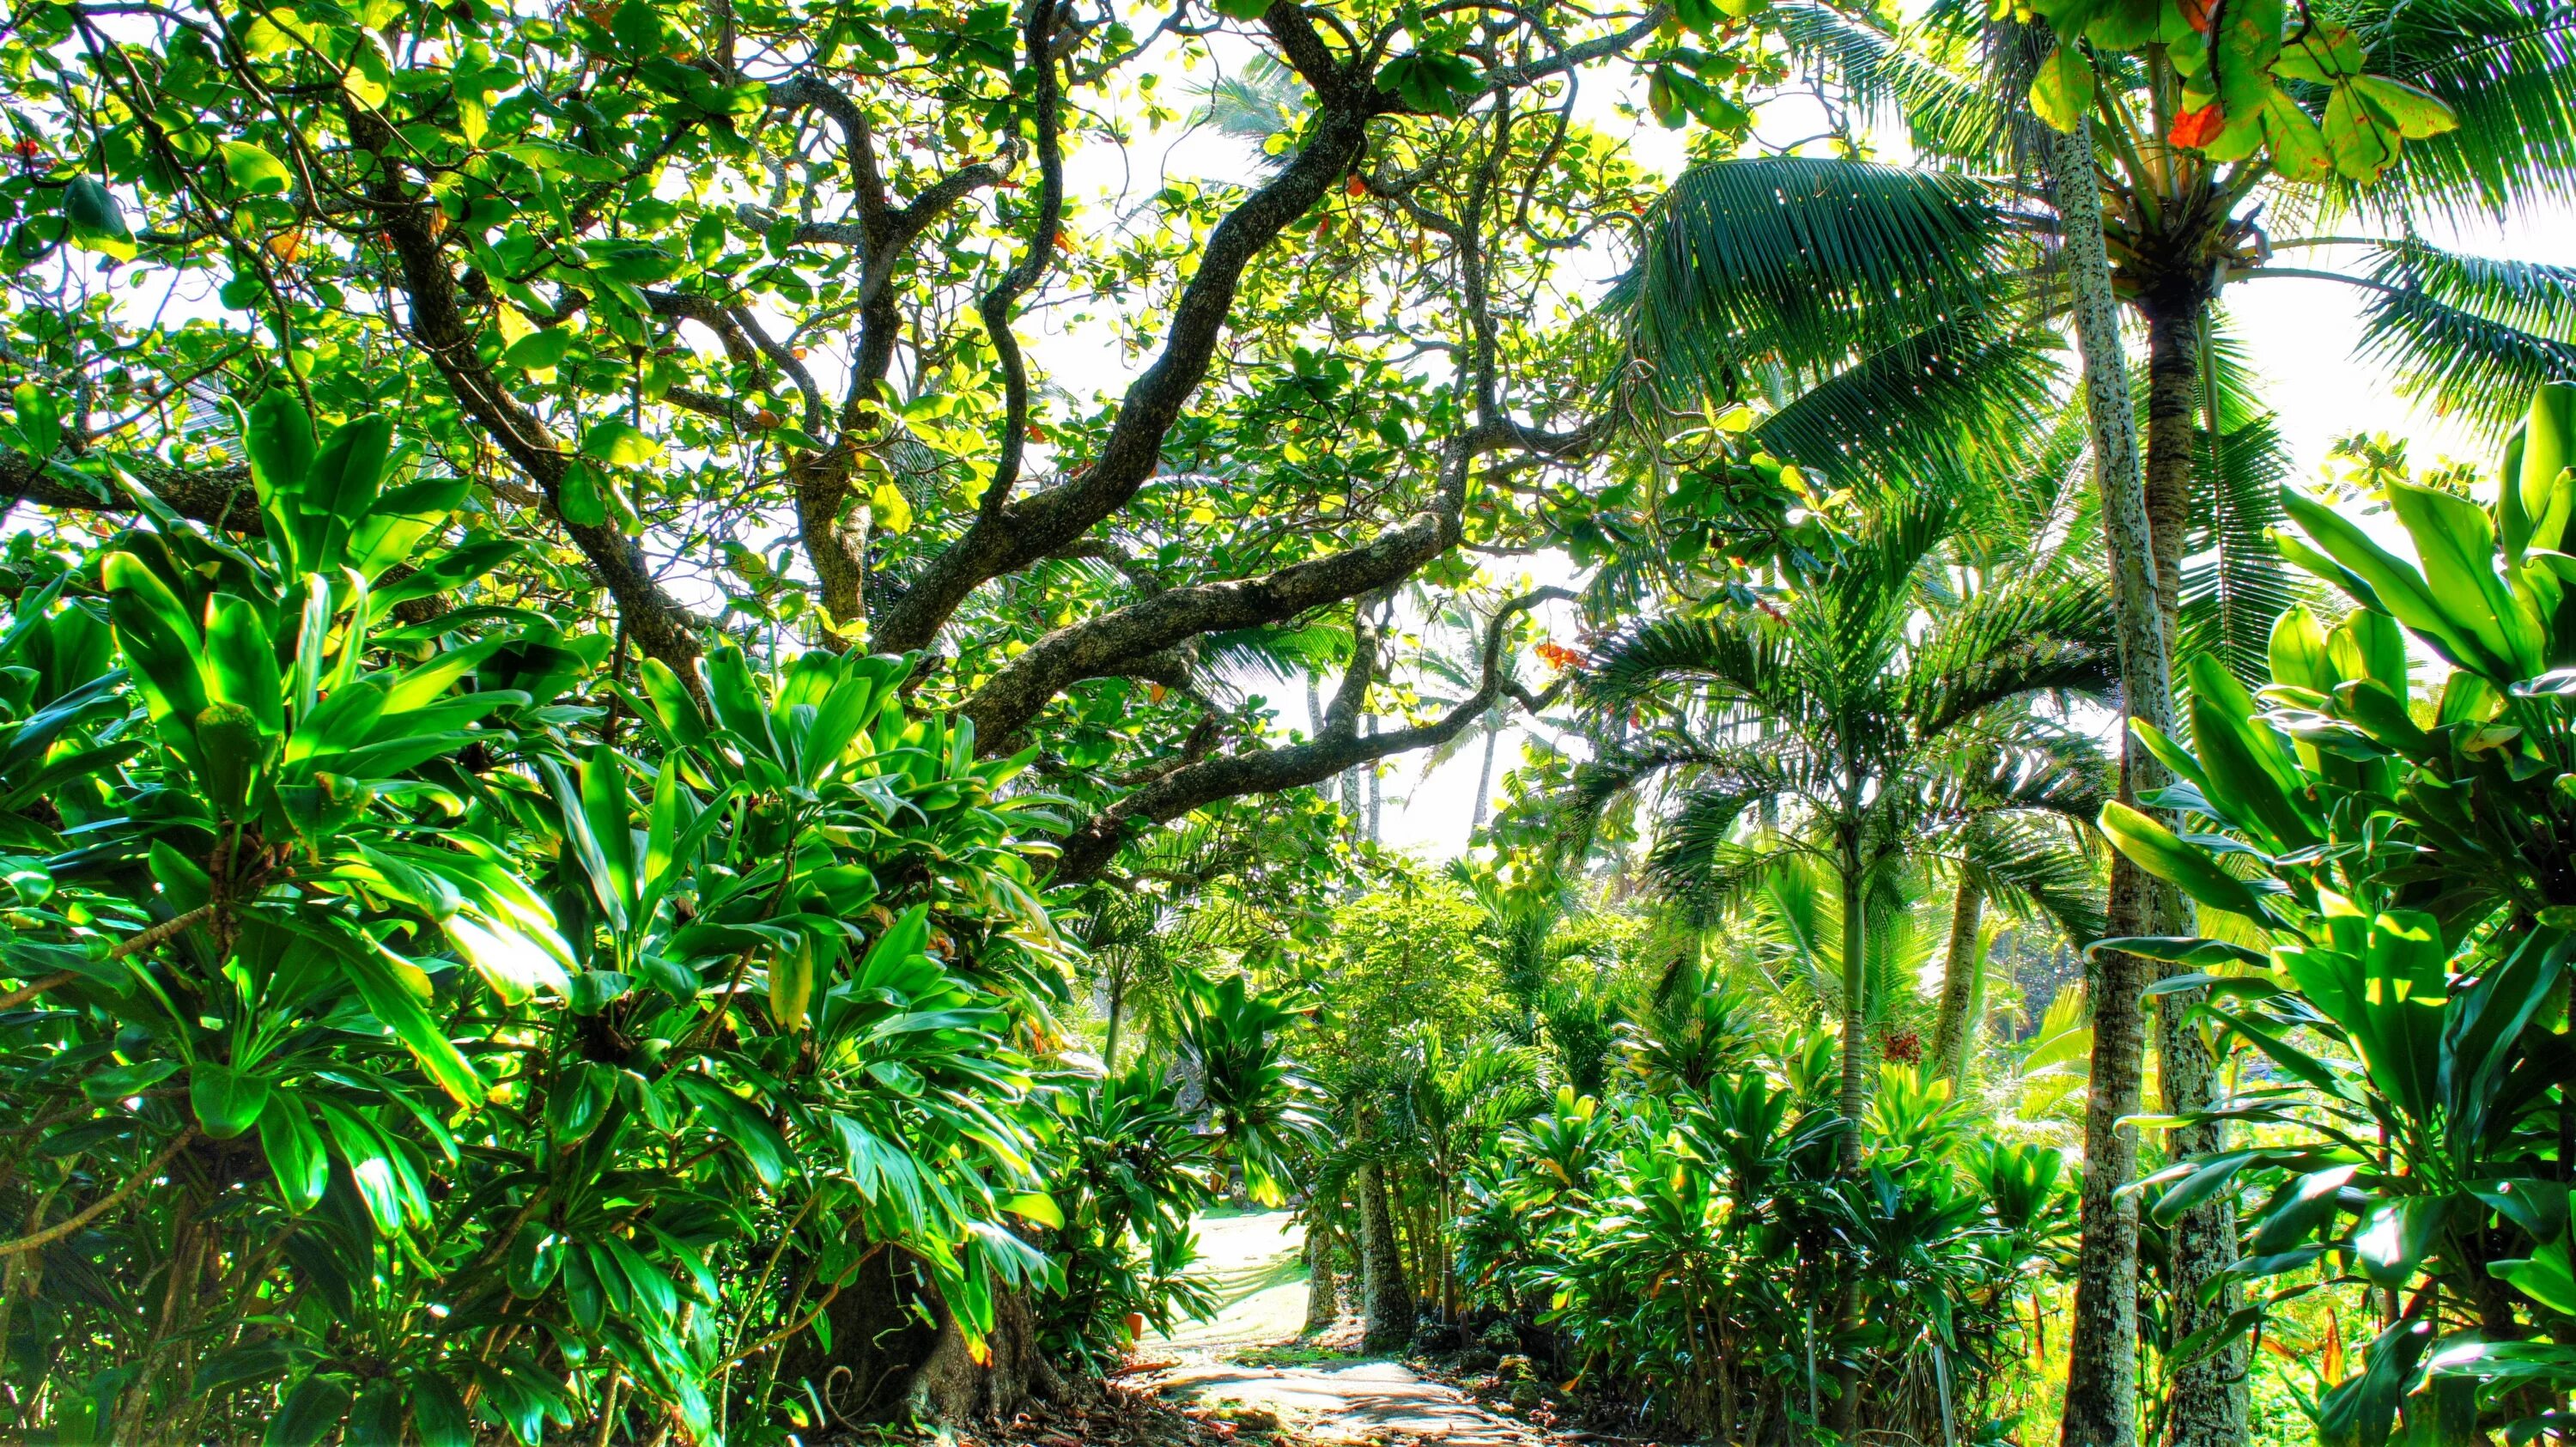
x,y
2301,336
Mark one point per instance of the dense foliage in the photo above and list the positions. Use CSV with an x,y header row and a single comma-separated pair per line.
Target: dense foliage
x,y
2398,849
645,794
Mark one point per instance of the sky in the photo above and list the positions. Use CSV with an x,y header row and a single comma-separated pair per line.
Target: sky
x,y
2301,336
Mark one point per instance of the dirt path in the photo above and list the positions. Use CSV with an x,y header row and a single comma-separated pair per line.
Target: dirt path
x,y
1249,1365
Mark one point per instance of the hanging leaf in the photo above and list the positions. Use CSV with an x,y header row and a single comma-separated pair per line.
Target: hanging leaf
x,y
2063,90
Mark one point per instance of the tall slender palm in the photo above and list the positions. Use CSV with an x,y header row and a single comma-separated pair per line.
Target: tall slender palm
x,y
1868,720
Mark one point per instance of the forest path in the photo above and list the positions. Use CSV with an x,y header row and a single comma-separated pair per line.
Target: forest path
x,y
1248,1365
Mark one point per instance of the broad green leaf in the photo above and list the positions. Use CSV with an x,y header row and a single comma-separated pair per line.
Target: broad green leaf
x,y
2159,852
2063,90
619,444
2416,114
308,1412
294,1150
227,1101
254,171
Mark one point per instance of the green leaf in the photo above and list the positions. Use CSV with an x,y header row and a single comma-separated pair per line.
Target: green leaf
x,y
2063,90
2546,1276
241,663
620,444
2242,48
294,1150
2415,113
310,1409
540,350
390,1000
1032,1206
2158,851
97,222
637,26
2362,145
162,644
227,1101
254,171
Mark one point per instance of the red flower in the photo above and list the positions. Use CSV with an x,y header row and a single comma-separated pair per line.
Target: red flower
x,y
1904,1049
2195,129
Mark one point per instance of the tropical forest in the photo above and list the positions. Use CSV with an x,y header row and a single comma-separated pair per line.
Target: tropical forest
x,y
1288,723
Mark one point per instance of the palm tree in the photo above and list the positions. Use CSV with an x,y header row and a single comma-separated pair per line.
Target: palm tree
x,y
1894,287
1870,710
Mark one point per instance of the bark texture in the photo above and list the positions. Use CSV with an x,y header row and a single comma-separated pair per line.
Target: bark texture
x,y
1960,965
885,1362
1855,1099
1323,1292
1390,1294
2209,1402
2102,1349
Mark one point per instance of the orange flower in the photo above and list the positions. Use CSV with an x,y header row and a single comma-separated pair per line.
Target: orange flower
x,y
1558,656
2195,129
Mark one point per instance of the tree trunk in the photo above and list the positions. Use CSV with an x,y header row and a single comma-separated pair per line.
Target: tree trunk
x,y
1390,1296
1484,779
2209,1406
1323,1293
1855,1099
1376,790
894,1350
1855,1091
1960,968
2102,1349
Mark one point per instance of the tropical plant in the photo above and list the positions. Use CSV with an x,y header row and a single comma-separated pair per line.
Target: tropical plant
x,y
1868,734
435,1077
2399,853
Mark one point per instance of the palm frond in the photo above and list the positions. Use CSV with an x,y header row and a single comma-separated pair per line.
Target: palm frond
x,y
1924,411
2012,644
1803,262
2507,69
1730,652
1923,82
2027,867
2235,584
2461,359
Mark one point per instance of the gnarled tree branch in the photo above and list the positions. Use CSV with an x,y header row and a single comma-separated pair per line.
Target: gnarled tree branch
x,y
1339,747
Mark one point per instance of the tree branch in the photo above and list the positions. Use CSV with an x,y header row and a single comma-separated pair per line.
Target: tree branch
x,y
103,1204
1338,748
1032,527
655,620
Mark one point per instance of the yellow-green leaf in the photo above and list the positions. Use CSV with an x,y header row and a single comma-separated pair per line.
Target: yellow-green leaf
x,y
2416,114
893,511
2063,90
2361,144
619,444
255,171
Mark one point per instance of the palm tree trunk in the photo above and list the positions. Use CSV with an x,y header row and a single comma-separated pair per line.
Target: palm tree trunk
x,y
1323,1293
2209,1406
1117,1007
1855,1099
1855,1092
1485,776
2102,1349
1959,970
1390,1296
